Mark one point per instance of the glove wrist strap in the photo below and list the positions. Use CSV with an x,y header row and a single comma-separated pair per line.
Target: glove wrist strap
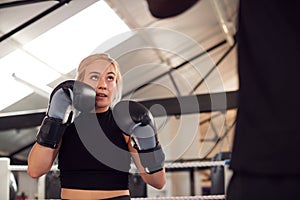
x,y
50,132
152,159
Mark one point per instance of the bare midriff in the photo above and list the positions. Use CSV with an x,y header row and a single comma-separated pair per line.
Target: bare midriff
x,y
91,194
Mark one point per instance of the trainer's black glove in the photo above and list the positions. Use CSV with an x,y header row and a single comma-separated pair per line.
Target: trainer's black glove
x,y
67,100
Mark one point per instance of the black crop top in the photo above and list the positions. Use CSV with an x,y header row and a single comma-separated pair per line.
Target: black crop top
x,y
92,159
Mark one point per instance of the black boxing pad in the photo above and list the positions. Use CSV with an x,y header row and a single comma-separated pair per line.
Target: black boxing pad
x,y
169,8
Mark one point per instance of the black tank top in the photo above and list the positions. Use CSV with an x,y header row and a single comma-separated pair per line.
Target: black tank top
x,y
90,158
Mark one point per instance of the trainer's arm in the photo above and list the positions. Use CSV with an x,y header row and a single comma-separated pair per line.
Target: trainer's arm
x,y
157,179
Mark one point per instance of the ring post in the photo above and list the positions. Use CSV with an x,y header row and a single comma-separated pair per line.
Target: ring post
x,y
4,177
41,187
227,174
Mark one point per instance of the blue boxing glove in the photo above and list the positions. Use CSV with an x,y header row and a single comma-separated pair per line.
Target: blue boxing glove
x,y
137,122
67,100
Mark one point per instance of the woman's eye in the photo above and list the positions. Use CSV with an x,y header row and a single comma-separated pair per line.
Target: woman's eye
x,y
110,78
95,78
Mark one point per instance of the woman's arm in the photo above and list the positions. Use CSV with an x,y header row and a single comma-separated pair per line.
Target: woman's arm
x,y
157,179
40,160
59,115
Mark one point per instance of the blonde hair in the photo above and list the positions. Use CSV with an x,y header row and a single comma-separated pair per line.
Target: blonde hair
x,y
106,57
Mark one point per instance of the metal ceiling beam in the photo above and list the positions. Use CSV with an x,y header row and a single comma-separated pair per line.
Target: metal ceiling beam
x,y
229,31
171,106
34,19
21,3
193,103
176,67
214,67
21,120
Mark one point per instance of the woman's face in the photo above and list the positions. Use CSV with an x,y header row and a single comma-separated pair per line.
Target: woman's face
x,y
101,75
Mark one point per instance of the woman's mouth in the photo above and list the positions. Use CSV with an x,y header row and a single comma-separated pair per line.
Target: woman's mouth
x,y
101,95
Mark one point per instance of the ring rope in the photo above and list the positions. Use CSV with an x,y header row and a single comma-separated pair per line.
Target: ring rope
x,y
173,165
24,168
206,197
196,164
170,165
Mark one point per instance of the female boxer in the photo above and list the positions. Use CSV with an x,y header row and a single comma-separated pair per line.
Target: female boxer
x,y
70,117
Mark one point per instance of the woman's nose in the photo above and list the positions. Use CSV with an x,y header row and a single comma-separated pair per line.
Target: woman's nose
x,y
101,83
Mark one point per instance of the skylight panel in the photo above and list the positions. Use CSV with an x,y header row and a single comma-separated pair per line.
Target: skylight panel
x,y
57,52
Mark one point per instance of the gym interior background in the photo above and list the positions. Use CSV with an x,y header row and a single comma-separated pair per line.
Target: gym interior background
x,y
184,68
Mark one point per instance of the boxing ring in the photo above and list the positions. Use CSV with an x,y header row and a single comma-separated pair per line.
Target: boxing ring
x,y
6,169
